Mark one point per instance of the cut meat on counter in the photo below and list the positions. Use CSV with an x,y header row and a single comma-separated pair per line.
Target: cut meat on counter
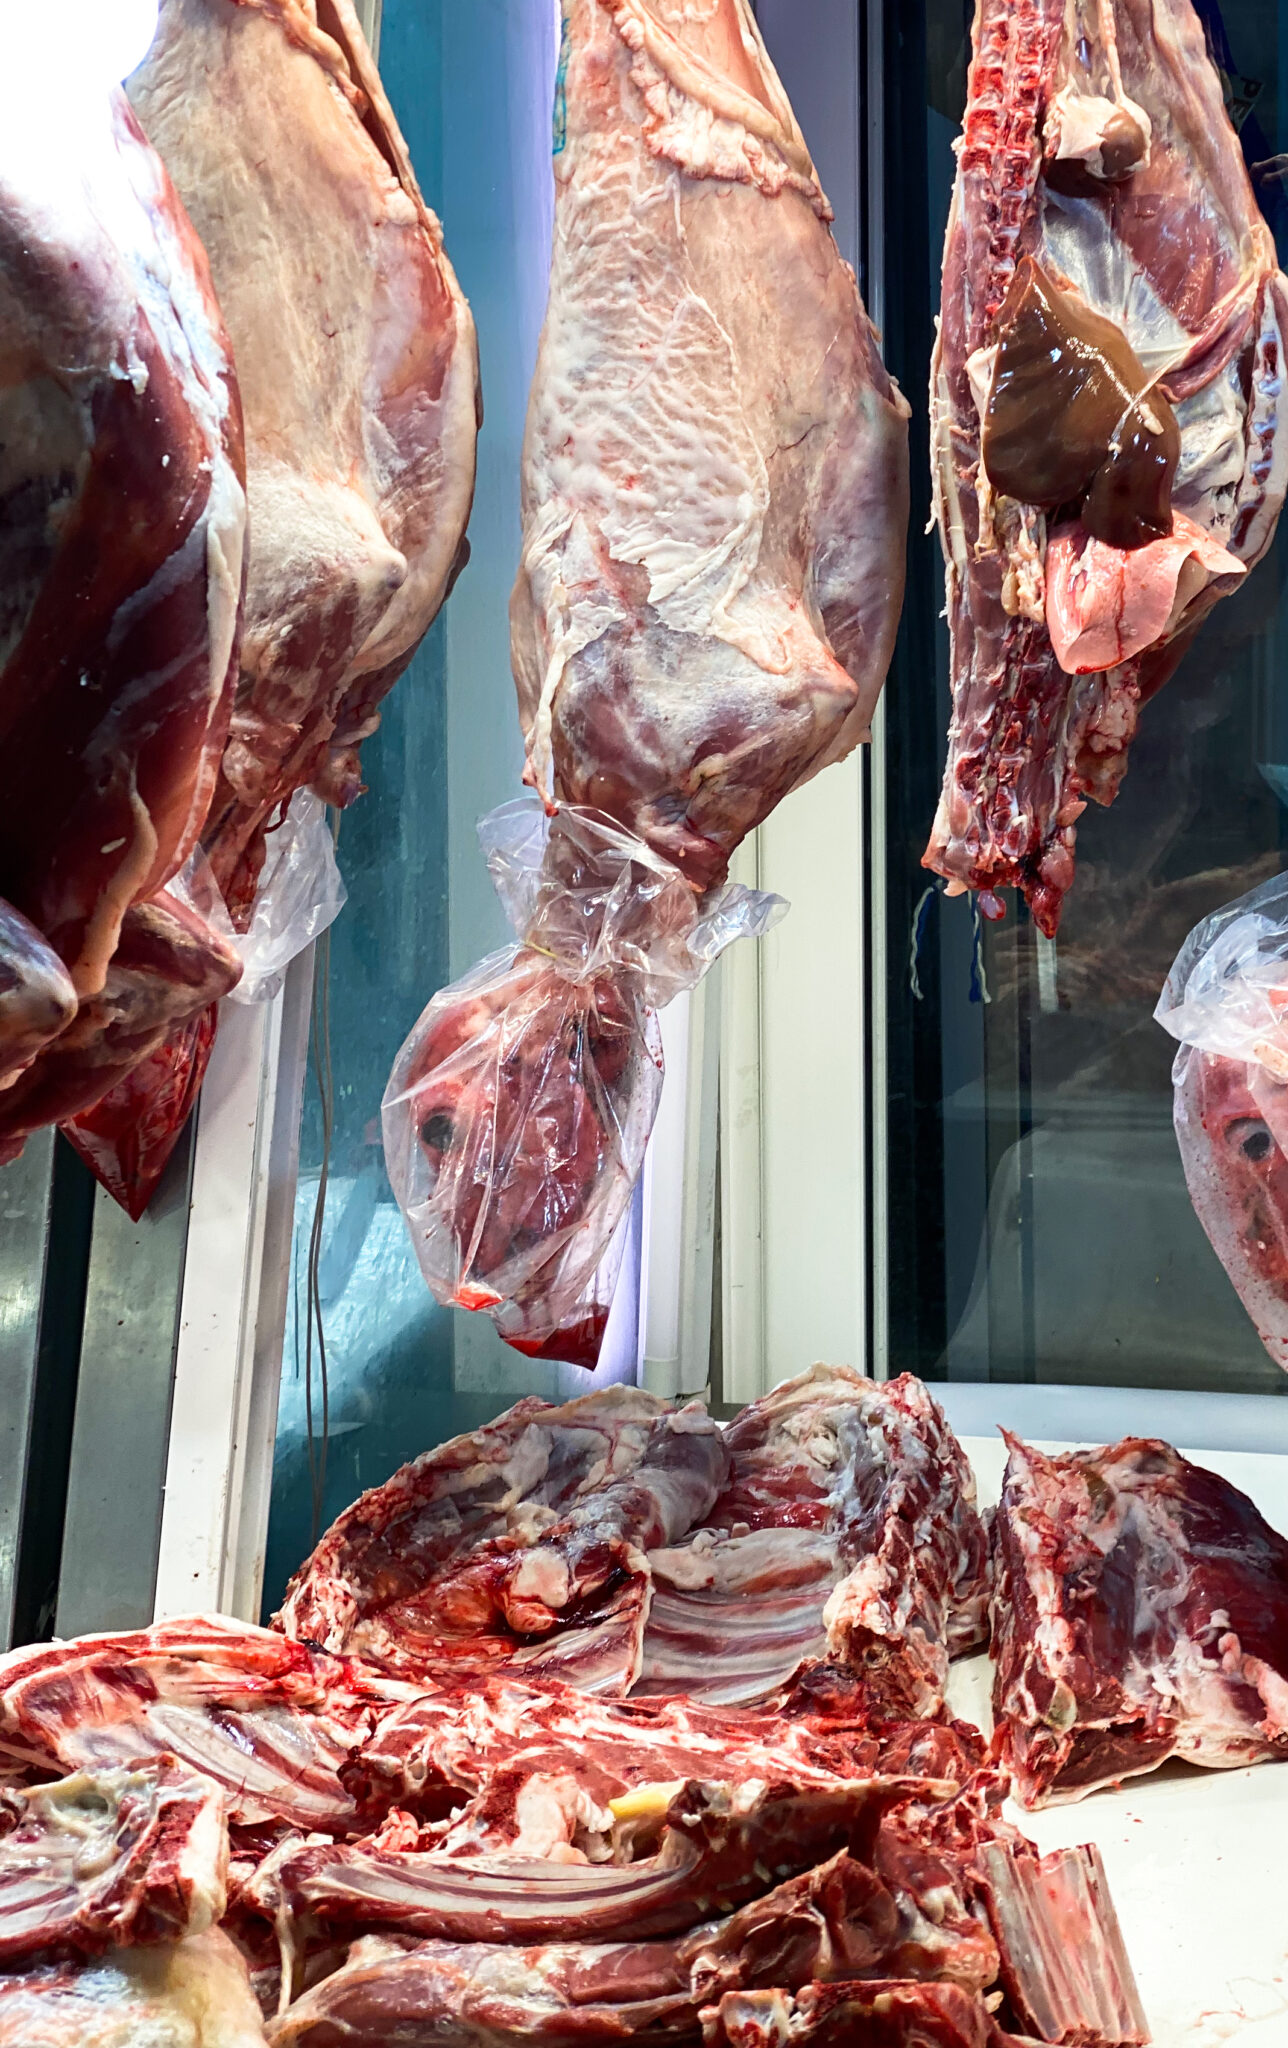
x,y
837,1921
358,369
466,1854
113,1858
363,1586
848,1528
193,1994
714,508
1140,1612
268,1720
723,1840
1108,452
884,2013
121,572
617,1543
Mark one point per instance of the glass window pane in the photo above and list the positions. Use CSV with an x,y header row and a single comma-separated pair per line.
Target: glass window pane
x,y
1040,1227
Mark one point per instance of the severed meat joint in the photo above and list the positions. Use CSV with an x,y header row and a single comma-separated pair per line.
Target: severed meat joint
x,y
359,376
1140,1612
120,579
358,370
714,505
1105,400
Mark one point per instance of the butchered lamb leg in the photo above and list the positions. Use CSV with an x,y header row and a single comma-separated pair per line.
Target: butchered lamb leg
x,y
1108,452
358,370
714,507
121,472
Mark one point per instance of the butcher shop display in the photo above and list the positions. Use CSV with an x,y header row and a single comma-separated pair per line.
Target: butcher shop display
x,y
357,364
627,1546
1105,399
714,509
1140,1612
208,1826
121,559
1226,1000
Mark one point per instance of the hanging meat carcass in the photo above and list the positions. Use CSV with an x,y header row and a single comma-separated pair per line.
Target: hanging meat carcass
x,y
714,505
359,375
1105,399
121,571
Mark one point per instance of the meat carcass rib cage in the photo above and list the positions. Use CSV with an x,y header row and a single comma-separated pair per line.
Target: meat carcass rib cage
x,y
266,1719
714,1846
360,1590
848,1529
1140,1612
121,567
190,1994
836,1921
359,376
110,1858
834,1515
714,507
1092,512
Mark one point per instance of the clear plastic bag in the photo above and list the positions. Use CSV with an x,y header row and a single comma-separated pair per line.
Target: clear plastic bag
x,y
518,1110
300,894
1226,999
1228,988
128,1137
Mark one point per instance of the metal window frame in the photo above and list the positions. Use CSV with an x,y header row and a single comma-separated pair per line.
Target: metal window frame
x,y
802,1017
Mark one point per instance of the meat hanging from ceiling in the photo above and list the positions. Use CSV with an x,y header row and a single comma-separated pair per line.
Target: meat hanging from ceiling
x,y
714,506
121,551
359,375
1109,458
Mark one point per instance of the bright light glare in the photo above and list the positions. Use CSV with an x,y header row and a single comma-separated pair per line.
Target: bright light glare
x,y
74,45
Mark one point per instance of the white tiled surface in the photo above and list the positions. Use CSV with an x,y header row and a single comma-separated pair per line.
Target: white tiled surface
x,y
1197,1860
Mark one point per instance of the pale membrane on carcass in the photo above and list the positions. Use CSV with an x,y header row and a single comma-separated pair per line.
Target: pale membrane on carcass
x,y
195,1994
714,492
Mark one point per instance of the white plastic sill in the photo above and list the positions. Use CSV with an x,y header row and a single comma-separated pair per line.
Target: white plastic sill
x,y
1101,1415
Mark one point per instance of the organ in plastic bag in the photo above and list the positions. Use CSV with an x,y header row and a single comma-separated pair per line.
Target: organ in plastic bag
x,y
1226,999
518,1110
128,1137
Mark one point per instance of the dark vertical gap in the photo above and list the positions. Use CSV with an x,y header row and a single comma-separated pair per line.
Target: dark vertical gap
x,y
54,1407
916,708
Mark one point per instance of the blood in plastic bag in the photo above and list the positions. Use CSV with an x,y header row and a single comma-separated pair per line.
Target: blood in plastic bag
x,y
518,1111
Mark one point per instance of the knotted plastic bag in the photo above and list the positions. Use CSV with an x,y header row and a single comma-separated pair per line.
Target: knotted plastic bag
x,y
518,1111
1226,999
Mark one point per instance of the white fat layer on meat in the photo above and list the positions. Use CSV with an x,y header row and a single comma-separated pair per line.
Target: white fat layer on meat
x,y
661,447
193,1994
80,1817
1075,124
551,1809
